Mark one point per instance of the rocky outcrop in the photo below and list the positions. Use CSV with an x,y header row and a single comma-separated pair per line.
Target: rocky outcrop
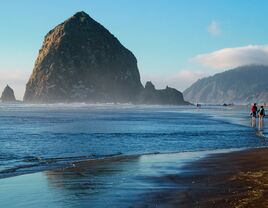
x,y
81,61
245,84
8,95
168,96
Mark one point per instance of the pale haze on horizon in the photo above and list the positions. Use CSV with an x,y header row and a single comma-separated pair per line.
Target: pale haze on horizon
x,y
175,42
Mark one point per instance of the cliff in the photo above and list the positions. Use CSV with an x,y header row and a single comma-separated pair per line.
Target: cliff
x,y
245,84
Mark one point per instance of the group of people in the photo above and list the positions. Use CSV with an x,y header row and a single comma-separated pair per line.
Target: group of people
x,y
257,112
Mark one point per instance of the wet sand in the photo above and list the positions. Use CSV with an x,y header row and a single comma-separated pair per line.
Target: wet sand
x,y
238,179
120,181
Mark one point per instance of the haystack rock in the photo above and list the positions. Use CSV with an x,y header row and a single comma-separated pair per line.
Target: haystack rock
x,y
81,61
8,95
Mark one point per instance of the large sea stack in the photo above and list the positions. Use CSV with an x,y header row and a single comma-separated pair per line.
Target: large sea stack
x,y
81,61
8,95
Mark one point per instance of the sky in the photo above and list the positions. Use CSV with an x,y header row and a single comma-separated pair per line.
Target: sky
x,y
176,42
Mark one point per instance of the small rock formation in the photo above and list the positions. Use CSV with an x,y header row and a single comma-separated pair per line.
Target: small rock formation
x,y
8,95
168,96
81,61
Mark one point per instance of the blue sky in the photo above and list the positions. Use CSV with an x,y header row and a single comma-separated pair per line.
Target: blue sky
x,y
175,41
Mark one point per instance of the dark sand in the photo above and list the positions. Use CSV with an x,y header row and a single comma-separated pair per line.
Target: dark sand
x,y
238,179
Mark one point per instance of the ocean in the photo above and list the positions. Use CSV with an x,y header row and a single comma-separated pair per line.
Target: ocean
x,y
46,137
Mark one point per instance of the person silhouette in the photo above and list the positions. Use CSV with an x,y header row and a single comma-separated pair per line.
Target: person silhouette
x,y
261,114
253,114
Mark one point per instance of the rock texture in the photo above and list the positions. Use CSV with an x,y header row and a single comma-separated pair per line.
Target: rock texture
x,y
245,84
168,96
8,95
80,60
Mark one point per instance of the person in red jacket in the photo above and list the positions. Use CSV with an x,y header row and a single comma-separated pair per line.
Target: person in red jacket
x,y
253,114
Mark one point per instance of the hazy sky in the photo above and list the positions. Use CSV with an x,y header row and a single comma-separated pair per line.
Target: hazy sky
x,y
175,41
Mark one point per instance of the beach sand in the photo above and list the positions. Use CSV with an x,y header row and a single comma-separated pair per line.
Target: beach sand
x,y
237,179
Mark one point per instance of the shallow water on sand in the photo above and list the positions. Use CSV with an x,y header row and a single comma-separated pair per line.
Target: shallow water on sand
x,y
122,181
45,137
52,137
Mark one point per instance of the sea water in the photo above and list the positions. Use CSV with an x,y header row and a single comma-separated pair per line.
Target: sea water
x,y
46,137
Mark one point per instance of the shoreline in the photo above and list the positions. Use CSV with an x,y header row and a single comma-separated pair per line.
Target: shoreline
x,y
230,179
8,173
236,179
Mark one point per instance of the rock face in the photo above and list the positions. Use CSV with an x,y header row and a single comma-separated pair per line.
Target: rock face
x,y
245,84
168,96
8,95
81,61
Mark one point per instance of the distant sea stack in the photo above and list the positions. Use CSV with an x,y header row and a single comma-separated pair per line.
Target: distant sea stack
x,y
8,95
168,96
242,85
81,61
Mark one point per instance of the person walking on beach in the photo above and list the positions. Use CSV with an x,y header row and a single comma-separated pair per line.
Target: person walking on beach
x,y
261,114
253,114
